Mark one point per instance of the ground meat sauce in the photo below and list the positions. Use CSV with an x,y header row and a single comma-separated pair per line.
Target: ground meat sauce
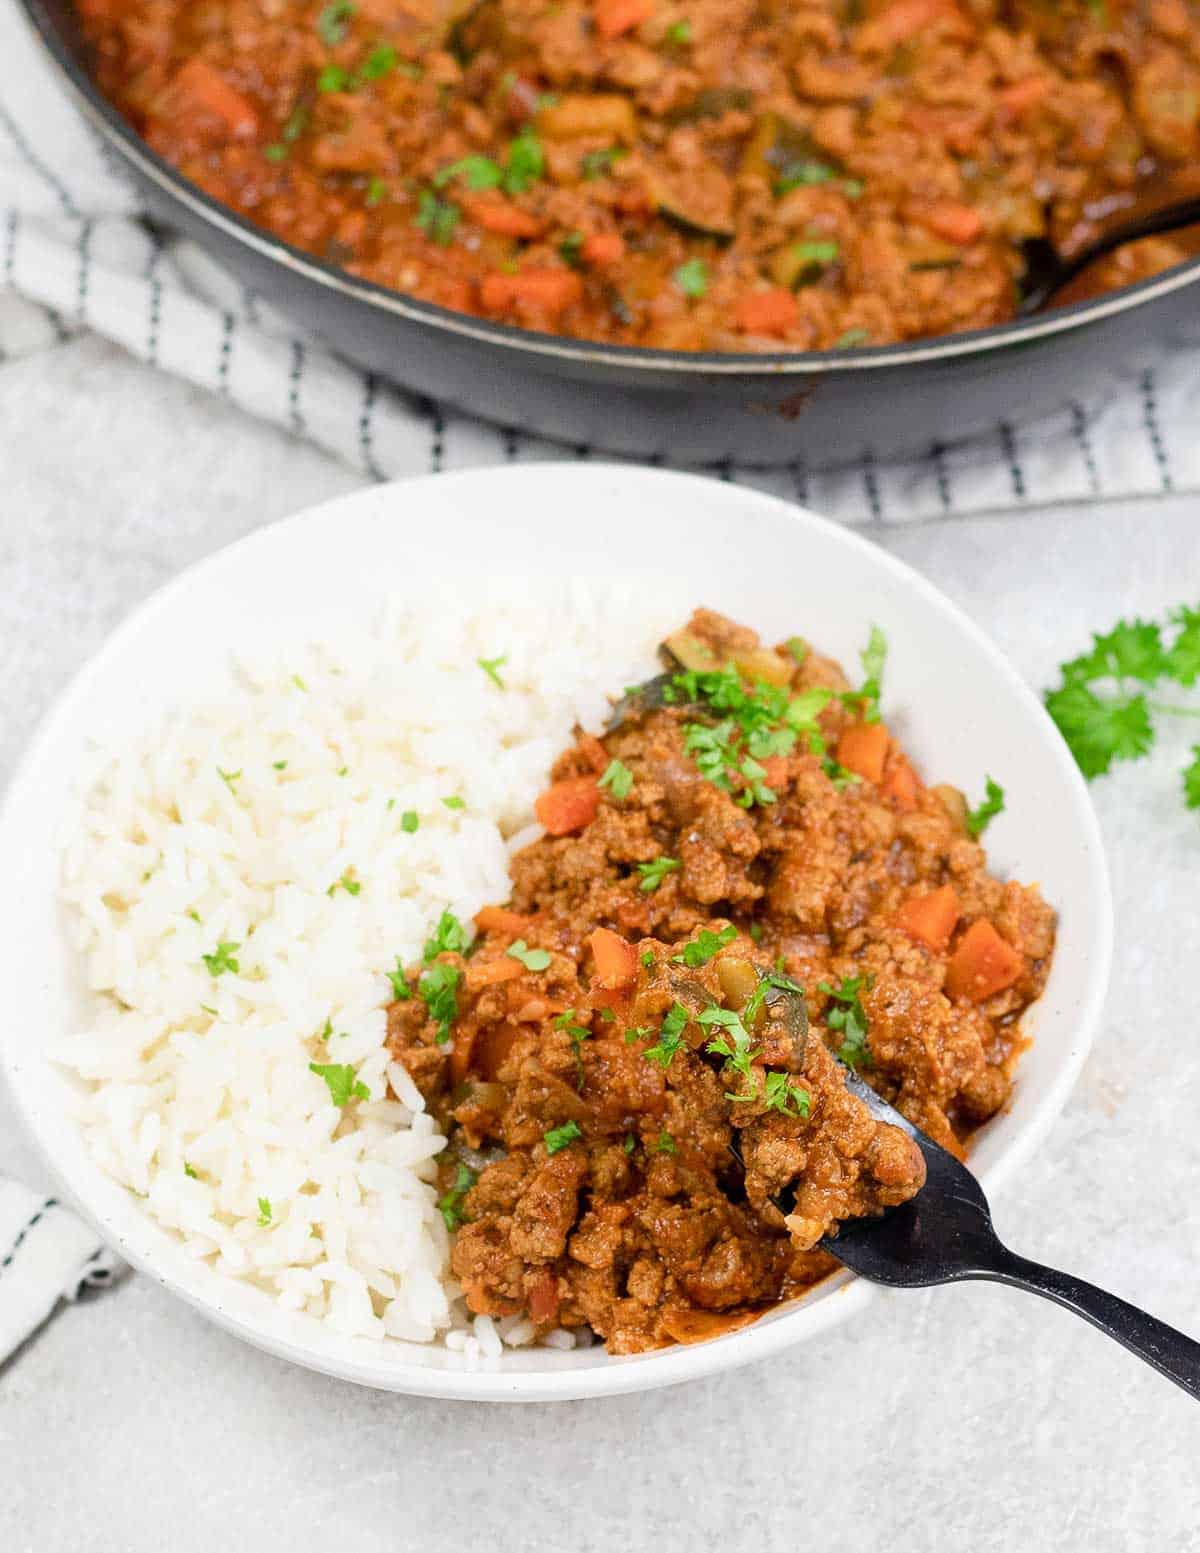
x,y
730,175
649,1131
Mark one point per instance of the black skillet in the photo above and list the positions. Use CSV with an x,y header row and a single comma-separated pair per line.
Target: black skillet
x,y
809,410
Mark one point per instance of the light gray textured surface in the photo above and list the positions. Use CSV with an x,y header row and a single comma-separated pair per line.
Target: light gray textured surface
x,y
973,1417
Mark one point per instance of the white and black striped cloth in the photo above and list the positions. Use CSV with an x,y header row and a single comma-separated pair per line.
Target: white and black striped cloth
x,y
47,1255
74,255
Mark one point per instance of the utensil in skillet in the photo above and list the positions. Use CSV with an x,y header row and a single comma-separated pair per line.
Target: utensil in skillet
x,y
944,1235
1047,272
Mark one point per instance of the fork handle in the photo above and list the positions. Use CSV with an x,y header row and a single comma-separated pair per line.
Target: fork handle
x,y
1168,1351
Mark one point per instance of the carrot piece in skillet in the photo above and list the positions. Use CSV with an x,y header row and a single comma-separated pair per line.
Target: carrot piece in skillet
x,y
603,248
613,17
616,960
547,291
953,222
498,215
200,86
767,312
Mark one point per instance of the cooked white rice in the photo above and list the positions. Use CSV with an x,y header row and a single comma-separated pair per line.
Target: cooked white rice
x,y
271,819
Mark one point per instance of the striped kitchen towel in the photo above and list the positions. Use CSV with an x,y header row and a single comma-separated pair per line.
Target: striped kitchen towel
x,y
74,254
47,1256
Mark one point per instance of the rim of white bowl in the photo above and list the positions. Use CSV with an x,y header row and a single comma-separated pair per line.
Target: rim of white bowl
x,y
842,1294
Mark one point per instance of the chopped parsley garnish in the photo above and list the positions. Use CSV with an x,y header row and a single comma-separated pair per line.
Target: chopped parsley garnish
x,y
1101,707
781,1094
342,1082
816,254
653,873
768,982
491,667
618,779
630,1143
455,801
193,913
333,22
647,959
347,883
670,1037
207,1008
275,152
230,779
797,649
477,172
298,682
850,1020
525,162
851,338
379,62
264,1212
865,700
804,172
679,34
279,765
222,959
982,815
636,1033
333,79
702,948
598,164
436,217
664,1144
531,959
558,1137
692,278
438,988
401,991
295,124
189,1172
377,192
409,821
569,248
448,937
566,1021
450,1203
733,1044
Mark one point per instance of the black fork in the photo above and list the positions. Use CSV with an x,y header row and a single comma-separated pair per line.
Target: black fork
x,y
944,1235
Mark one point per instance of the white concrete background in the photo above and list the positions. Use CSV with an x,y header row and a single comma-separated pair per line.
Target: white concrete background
x,y
969,1418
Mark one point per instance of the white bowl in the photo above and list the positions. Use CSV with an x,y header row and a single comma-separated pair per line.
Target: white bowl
x,y
961,709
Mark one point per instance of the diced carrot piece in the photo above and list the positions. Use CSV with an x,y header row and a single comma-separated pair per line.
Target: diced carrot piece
x,y
767,312
199,84
616,959
547,291
931,919
1021,95
498,919
568,805
862,748
543,1296
982,965
613,17
902,785
498,215
603,248
487,973
955,223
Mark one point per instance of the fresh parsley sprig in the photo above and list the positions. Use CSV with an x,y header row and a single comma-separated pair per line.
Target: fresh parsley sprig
x,y
1101,706
847,1015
